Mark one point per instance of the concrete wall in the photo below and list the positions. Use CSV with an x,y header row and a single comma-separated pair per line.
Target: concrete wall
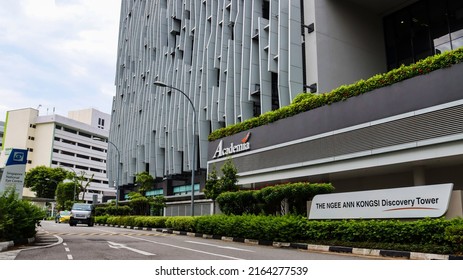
x,y
455,205
18,129
346,46
92,117
43,145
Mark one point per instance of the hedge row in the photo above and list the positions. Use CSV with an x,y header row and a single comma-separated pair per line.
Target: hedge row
x,y
133,221
113,210
439,236
306,102
268,200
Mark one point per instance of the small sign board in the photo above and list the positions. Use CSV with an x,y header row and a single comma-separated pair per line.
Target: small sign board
x,y
14,171
409,202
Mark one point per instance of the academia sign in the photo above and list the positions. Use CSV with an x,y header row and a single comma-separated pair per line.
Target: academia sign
x,y
221,151
412,202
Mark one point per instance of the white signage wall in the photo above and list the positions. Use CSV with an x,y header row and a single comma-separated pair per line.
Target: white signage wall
x,y
410,202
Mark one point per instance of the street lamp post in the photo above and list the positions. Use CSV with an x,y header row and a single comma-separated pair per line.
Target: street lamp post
x,y
117,172
117,167
193,156
53,203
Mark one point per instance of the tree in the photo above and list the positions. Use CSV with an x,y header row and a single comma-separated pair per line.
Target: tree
x,y
44,180
157,204
144,182
81,182
140,205
64,195
229,177
212,187
227,183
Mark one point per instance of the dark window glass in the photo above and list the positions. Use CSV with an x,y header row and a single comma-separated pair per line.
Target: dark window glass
x,y
425,28
266,10
275,98
456,23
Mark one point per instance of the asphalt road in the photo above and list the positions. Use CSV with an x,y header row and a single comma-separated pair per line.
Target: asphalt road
x,y
110,243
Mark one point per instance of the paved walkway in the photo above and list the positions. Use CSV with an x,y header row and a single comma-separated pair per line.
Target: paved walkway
x,y
42,240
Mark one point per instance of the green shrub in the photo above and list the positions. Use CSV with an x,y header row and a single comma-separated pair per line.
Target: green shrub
x,y
139,204
18,218
150,221
216,224
297,195
273,228
268,200
113,210
181,223
424,233
121,220
454,235
100,211
238,203
439,236
115,221
133,221
101,219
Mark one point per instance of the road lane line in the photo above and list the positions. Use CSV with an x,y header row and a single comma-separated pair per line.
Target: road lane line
x,y
174,246
122,246
218,246
185,248
66,249
70,257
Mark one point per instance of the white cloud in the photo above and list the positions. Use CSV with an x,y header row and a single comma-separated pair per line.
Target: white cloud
x,y
58,52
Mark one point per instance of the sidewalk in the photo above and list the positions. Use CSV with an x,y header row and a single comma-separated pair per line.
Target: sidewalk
x,y
9,250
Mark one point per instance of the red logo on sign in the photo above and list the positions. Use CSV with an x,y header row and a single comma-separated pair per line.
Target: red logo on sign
x,y
246,138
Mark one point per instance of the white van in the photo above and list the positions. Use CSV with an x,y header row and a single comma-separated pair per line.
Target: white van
x,y
82,213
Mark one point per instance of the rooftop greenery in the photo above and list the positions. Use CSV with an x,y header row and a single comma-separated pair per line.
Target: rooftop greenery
x,y
306,101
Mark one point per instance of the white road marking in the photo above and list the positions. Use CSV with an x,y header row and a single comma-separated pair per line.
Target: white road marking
x,y
67,250
107,231
218,246
122,246
185,248
174,246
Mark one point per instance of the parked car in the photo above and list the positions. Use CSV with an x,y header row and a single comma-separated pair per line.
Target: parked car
x,y
82,213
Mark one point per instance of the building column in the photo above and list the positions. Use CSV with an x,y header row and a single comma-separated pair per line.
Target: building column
x,y
419,176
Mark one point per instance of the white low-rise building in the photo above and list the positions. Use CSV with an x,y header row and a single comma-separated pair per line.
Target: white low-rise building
x,y
77,143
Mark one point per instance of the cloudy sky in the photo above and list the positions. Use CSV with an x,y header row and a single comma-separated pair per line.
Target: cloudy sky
x,y
58,55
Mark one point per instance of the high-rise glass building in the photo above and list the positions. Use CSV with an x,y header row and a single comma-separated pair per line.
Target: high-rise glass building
x,y
238,59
